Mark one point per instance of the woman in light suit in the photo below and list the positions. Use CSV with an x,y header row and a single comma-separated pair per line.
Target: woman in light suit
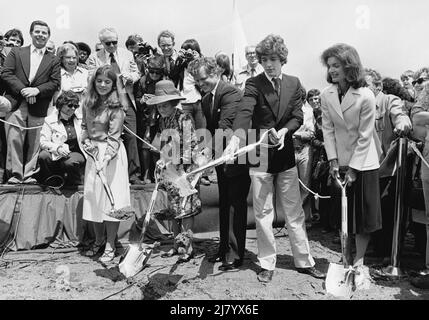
x,y
351,143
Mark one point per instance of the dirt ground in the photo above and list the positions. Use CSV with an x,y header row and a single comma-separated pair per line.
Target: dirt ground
x,y
38,275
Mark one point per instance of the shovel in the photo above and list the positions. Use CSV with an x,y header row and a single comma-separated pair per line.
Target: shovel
x,y
136,256
340,277
120,214
187,188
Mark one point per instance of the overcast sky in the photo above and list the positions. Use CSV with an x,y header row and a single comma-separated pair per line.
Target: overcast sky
x,y
388,34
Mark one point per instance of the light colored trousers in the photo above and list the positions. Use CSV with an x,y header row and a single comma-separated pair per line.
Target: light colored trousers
x,y
23,145
303,163
283,190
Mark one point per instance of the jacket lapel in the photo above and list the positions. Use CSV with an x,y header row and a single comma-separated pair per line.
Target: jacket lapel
x,y
335,101
349,99
286,92
25,60
269,93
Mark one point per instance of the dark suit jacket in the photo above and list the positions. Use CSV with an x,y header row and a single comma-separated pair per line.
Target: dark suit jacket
x,y
261,108
15,76
221,116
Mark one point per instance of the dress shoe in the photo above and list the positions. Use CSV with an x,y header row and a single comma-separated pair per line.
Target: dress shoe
x,y
14,180
421,282
226,266
265,275
312,271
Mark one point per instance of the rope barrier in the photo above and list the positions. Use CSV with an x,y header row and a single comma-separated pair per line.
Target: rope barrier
x,y
20,127
315,194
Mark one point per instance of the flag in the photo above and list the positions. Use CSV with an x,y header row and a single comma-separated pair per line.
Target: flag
x,y
239,39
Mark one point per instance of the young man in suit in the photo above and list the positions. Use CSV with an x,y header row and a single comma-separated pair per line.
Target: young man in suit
x,y
273,100
124,65
31,76
220,107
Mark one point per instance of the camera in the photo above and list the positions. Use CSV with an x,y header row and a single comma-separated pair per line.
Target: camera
x,y
145,49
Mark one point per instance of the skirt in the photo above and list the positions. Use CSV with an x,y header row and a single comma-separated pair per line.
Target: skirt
x,y
96,203
363,204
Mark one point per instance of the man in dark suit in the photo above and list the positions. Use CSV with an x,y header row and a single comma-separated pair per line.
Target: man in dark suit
x,y
31,76
273,100
220,107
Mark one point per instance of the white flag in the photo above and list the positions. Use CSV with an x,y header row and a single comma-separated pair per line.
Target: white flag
x,y
239,39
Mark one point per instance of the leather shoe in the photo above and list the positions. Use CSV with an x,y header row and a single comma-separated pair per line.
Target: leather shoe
x,y
421,282
226,266
14,180
312,271
265,275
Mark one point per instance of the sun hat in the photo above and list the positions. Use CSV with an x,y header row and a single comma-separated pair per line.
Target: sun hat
x,y
164,91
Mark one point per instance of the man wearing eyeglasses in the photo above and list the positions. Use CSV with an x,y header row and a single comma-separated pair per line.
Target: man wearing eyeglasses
x,y
122,61
252,69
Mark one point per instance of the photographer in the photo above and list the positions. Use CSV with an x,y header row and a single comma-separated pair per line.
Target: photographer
x,y
190,50
141,51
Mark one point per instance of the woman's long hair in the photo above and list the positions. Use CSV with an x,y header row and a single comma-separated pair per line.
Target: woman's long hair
x,y
92,98
350,60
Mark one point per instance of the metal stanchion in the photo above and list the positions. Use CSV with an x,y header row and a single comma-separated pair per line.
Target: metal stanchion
x,y
394,269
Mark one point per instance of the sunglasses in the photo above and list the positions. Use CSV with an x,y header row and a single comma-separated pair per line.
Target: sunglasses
x,y
109,43
156,71
419,81
72,106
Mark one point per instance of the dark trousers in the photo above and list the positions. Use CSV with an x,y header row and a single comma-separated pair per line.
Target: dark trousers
x,y
233,193
130,143
70,168
3,151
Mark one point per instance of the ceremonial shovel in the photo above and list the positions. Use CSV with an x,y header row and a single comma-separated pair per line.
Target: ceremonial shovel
x,y
136,256
339,279
121,214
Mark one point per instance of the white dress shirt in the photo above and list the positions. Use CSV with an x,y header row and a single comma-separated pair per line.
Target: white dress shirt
x,y
189,91
36,56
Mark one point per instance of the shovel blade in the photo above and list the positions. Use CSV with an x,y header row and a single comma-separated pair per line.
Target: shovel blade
x,y
338,283
135,260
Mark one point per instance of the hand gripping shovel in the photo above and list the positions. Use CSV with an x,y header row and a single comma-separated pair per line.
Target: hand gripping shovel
x,y
186,188
136,256
121,214
339,279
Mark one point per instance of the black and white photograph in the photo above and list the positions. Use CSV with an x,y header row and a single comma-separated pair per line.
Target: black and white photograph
x,y
214,155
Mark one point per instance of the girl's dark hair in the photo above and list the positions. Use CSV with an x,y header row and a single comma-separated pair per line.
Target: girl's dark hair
x,y
223,61
350,60
191,44
393,86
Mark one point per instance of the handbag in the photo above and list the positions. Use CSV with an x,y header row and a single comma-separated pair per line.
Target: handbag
x,y
416,199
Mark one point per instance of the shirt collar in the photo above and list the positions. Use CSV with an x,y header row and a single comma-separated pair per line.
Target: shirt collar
x,y
271,78
115,54
65,72
32,48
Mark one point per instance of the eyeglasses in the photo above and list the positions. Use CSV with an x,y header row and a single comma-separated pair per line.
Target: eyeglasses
x,y
72,106
419,81
156,71
109,43
252,53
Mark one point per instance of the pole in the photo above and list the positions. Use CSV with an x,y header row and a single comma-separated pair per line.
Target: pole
x,y
394,268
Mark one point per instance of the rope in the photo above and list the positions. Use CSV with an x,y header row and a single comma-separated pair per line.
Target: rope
x,y
418,153
142,140
20,127
315,194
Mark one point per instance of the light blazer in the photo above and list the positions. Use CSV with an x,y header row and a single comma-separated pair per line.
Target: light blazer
x,y
53,133
261,108
15,77
125,62
349,128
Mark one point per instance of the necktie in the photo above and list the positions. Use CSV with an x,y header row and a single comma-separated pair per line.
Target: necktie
x,y
114,64
276,82
210,99
252,72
